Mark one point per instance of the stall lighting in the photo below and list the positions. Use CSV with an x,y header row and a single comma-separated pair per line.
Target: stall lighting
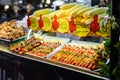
x,y
6,7
20,1
43,1
58,2
41,5
48,2
46,5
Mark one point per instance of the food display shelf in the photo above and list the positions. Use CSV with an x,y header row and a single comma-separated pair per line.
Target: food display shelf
x,y
68,67
46,60
56,64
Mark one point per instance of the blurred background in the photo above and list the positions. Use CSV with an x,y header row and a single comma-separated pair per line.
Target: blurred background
x,y
17,9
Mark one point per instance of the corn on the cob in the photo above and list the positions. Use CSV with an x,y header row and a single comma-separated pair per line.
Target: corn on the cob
x,y
101,16
101,21
78,18
61,14
97,11
85,9
88,21
71,9
35,17
67,6
42,12
74,12
83,20
52,14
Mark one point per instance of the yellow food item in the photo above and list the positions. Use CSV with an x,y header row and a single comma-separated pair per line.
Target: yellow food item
x,y
66,17
73,13
103,34
85,9
83,20
61,14
96,11
101,21
34,23
67,6
71,9
52,14
101,16
88,21
35,17
107,23
42,12
78,18
104,28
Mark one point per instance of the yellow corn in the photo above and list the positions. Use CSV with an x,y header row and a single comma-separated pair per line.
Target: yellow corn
x,y
83,20
52,14
61,14
85,9
67,6
100,21
71,9
101,16
78,18
42,12
88,21
97,11
74,12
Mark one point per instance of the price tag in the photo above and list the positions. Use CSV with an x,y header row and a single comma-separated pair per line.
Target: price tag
x,y
47,24
34,23
81,31
63,25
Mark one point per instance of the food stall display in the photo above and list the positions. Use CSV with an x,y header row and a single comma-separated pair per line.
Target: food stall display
x,y
76,19
78,54
79,20
38,45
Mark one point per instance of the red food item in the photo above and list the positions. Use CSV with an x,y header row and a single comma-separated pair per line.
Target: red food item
x,y
41,54
94,26
72,25
41,23
20,52
28,22
55,24
90,66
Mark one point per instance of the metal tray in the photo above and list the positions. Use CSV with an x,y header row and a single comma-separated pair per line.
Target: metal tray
x,y
78,43
63,41
5,40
